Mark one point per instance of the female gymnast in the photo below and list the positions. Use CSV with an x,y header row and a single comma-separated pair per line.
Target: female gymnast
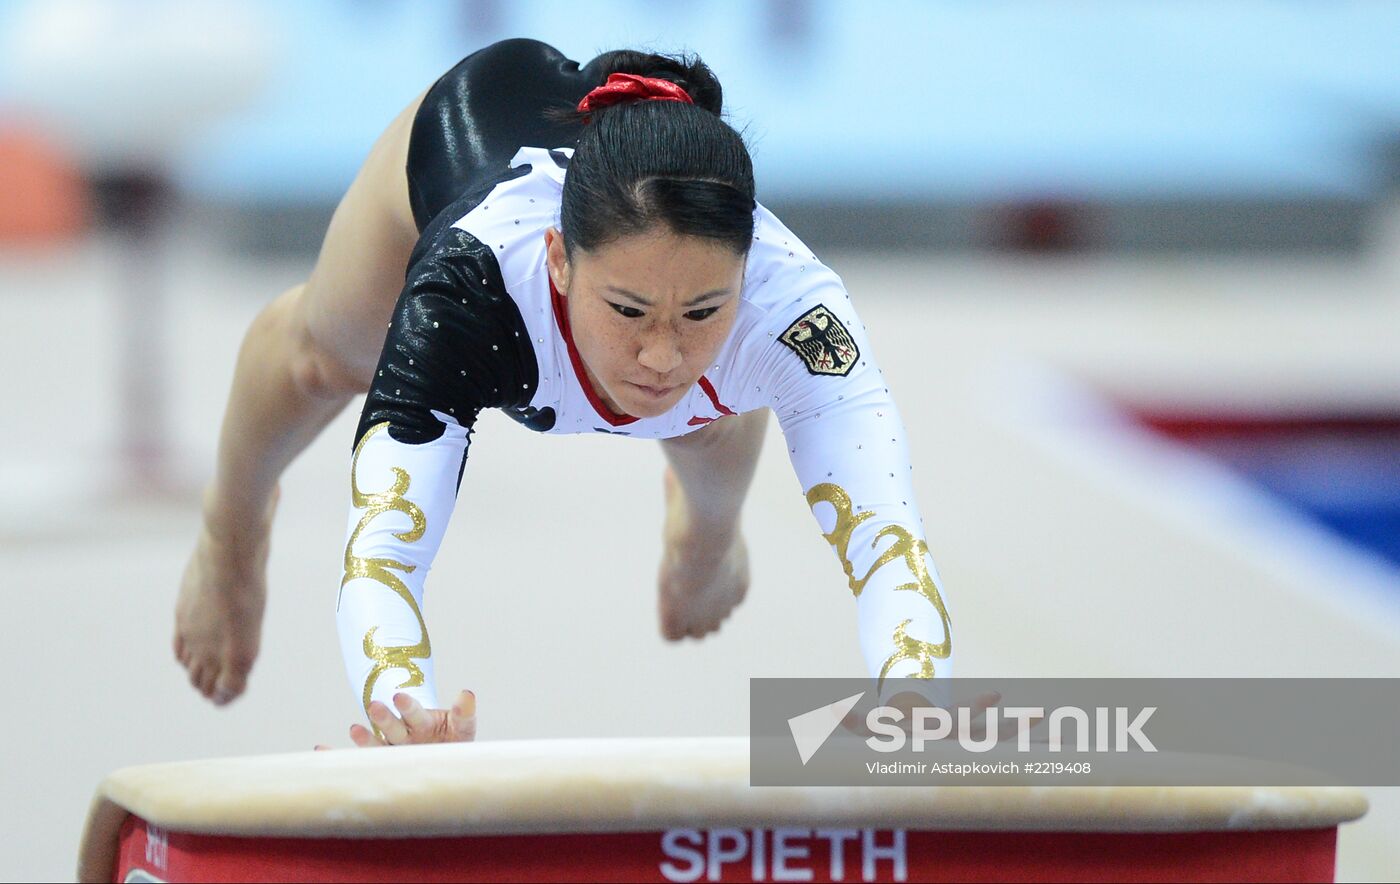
x,y
584,252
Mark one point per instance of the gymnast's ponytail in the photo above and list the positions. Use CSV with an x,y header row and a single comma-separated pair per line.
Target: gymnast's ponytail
x,y
643,163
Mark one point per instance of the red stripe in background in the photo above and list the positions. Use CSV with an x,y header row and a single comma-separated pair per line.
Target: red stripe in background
x,y
1198,425
1288,855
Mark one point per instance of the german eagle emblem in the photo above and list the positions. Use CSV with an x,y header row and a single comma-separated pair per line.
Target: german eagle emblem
x,y
822,342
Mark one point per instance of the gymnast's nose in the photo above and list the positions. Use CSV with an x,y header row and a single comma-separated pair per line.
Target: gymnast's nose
x,y
661,351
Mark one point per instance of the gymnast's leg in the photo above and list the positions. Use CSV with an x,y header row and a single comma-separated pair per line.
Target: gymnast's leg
x,y
704,563
302,360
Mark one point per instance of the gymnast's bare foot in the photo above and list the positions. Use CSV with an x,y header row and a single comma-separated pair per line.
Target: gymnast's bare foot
x,y
218,616
703,575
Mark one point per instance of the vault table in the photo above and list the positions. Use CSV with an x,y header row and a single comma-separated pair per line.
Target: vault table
x,y
677,810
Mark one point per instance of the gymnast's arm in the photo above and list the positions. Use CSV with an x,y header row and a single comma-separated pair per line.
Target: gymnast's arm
x,y
451,350
849,450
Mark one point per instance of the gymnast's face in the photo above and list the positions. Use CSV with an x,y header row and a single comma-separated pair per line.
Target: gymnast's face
x,y
648,313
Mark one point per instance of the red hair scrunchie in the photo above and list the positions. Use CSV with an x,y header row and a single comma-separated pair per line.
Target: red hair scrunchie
x,y
627,87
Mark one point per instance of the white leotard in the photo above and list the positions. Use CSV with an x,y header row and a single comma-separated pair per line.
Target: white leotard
x,y
797,347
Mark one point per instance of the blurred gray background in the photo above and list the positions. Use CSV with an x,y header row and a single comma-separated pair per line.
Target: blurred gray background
x,y
1132,269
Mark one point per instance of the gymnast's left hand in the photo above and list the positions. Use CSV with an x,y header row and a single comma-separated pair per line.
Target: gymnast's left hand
x,y
414,724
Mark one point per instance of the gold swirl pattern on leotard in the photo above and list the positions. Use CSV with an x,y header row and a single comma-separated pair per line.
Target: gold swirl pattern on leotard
x,y
905,547
379,570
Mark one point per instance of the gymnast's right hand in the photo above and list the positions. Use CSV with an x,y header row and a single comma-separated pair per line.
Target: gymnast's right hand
x,y
417,725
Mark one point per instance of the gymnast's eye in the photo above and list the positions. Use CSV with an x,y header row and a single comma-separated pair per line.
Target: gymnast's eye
x,y
704,313
629,312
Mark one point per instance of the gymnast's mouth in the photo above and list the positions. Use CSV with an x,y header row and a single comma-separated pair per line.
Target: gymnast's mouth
x,y
654,392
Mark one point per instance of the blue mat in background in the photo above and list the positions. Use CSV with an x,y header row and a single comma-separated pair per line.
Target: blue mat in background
x,y
1342,472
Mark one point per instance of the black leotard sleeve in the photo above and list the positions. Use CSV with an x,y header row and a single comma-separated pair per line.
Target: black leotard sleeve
x,y
456,344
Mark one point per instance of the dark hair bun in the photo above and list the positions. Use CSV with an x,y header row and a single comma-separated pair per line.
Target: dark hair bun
x,y
686,71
